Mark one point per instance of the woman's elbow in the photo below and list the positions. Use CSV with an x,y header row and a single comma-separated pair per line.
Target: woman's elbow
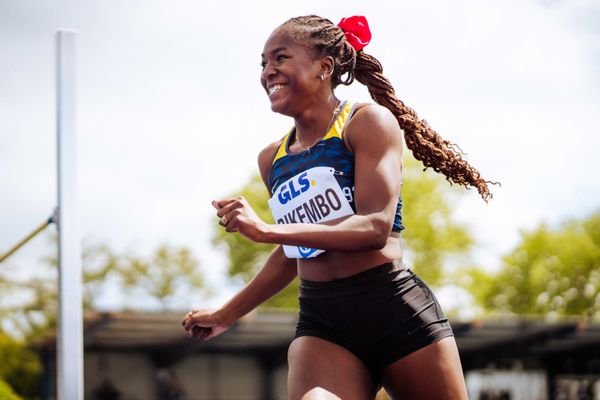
x,y
381,228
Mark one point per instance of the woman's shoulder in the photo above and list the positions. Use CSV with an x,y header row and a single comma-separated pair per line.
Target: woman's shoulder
x,y
265,159
372,120
371,112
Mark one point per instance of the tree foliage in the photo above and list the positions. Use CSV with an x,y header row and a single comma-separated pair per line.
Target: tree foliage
x,y
6,392
30,305
433,239
169,274
19,368
553,271
247,257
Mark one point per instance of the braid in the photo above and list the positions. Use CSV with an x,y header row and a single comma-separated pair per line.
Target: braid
x,y
426,144
327,39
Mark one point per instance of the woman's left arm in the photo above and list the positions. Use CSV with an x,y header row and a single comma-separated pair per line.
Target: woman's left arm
x,y
376,140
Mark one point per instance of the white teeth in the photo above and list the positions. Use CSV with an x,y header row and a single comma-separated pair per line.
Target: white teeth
x,y
275,89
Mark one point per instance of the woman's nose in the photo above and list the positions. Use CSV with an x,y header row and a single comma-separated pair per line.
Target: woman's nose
x,y
267,72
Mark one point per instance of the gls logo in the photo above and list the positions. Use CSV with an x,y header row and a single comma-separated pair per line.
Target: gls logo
x,y
289,191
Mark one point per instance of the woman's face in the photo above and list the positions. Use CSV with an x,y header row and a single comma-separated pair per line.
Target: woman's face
x,y
290,74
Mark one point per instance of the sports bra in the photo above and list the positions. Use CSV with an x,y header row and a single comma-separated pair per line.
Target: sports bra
x,y
295,177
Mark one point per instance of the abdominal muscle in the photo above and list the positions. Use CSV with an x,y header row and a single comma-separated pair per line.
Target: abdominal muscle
x,y
340,264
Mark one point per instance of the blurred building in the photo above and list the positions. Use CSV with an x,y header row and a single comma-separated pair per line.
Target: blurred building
x,y
131,356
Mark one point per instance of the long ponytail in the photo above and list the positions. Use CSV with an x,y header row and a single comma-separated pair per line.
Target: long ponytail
x,y
426,144
326,38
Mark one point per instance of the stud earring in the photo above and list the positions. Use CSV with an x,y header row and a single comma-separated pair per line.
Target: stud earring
x,y
322,77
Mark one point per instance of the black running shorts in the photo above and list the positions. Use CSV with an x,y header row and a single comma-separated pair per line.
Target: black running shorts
x,y
380,315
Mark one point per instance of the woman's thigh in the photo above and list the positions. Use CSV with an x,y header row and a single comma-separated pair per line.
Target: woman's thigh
x,y
319,369
433,372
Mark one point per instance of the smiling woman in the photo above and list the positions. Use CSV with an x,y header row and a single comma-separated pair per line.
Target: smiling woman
x,y
335,179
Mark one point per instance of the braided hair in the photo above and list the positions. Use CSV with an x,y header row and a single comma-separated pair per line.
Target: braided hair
x,y
327,39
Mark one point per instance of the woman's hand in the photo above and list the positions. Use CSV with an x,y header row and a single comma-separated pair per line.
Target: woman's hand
x,y
236,215
204,325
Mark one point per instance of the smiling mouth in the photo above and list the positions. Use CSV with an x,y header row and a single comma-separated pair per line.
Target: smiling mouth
x,y
275,88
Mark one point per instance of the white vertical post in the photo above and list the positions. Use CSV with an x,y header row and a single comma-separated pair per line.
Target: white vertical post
x,y
70,327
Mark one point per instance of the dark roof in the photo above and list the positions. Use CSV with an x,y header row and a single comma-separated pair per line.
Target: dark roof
x,y
139,330
271,331
260,333
567,346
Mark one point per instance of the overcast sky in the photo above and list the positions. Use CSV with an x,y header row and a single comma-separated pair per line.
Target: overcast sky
x,y
171,114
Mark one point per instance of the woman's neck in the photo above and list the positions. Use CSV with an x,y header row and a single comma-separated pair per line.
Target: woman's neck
x,y
314,123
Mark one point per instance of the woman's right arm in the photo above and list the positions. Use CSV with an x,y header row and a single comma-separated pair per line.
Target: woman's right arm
x,y
274,276
278,272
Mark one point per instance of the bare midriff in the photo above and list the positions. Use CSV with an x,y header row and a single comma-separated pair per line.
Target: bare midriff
x,y
340,264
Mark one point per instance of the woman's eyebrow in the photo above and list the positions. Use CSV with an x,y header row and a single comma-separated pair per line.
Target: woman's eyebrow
x,y
278,49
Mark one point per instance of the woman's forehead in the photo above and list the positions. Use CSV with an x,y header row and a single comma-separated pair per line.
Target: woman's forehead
x,y
282,39
279,38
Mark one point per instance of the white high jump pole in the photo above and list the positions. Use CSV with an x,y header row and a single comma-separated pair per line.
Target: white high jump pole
x,y
70,327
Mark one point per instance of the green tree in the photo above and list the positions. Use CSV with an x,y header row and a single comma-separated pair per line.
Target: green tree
x,y
6,392
247,257
19,368
551,271
168,275
432,241
30,305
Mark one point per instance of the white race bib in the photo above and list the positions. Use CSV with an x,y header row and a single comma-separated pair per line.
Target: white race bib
x,y
312,196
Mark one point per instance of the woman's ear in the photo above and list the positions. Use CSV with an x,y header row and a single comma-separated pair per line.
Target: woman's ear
x,y
327,66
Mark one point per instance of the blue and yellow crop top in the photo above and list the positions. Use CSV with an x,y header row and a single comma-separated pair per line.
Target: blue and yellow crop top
x,y
328,152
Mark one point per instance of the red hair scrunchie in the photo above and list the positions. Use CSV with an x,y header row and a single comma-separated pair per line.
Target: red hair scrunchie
x,y
357,32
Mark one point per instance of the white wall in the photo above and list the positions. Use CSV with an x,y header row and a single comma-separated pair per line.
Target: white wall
x,y
521,385
220,377
132,374
206,376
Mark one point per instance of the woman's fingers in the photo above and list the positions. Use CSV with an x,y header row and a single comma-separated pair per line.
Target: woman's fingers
x,y
228,210
228,205
197,323
201,333
188,316
236,215
200,322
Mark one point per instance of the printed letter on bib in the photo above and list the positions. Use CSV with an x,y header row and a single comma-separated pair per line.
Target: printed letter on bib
x,y
310,197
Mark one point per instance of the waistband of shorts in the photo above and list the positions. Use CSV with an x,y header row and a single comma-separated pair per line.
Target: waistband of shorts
x,y
347,285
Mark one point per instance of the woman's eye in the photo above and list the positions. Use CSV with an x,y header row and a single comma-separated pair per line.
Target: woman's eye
x,y
280,58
